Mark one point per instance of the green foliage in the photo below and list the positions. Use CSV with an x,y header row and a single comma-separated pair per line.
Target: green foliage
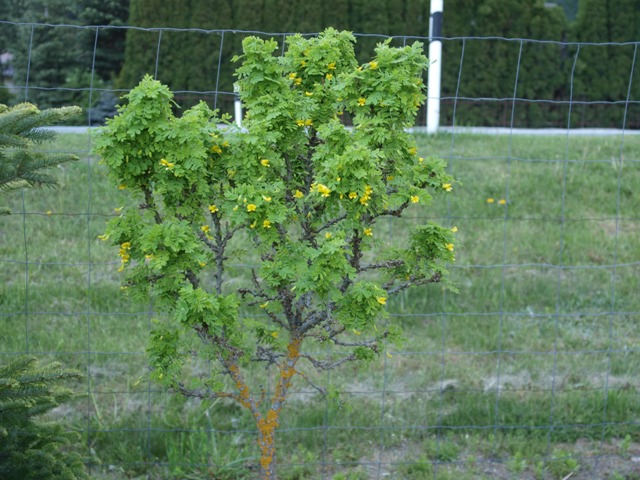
x,y
31,450
21,164
603,72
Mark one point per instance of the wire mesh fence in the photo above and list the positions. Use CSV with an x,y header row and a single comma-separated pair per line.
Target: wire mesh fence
x,y
531,371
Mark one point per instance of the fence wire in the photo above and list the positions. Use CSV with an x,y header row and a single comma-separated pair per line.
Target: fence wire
x,y
542,359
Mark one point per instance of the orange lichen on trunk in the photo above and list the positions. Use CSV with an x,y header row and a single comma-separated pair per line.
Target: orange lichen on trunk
x,y
267,425
244,395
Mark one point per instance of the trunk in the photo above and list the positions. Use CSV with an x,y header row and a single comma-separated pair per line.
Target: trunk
x,y
266,441
267,425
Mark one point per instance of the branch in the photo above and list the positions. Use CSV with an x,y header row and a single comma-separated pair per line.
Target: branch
x,y
322,391
412,281
150,204
387,264
325,365
330,223
203,393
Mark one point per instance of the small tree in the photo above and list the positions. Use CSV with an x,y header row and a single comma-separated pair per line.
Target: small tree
x,y
297,194
31,450
21,165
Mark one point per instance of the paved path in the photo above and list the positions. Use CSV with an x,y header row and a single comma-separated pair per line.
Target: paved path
x,y
591,132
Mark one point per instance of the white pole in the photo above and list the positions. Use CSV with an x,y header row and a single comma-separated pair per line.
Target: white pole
x,y
237,105
435,68
238,111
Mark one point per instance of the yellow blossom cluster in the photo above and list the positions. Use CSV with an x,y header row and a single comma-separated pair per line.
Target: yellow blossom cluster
x,y
304,122
124,255
213,208
364,200
167,164
321,189
207,231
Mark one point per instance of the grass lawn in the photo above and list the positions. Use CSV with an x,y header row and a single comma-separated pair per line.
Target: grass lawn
x,y
530,371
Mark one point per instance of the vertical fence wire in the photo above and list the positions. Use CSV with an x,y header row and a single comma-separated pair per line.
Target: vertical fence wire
x,y
503,281
614,269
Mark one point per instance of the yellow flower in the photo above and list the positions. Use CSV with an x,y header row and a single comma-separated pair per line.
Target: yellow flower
x,y
253,225
122,187
323,190
490,200
413,150
205,228
300,123
251,207
328,235
266,224
367,195
329,76
502,201
213,208
308,122
266,199
216,149
103,237
292,76
303,62
447,187
362,101
225,144
454,229
264,162
373,65
421,159
368,232
274,334
332,66
449,246
298,194
415,199
297,81
126,245
353,195
390,178
382,300
308,94
166,163
202,264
